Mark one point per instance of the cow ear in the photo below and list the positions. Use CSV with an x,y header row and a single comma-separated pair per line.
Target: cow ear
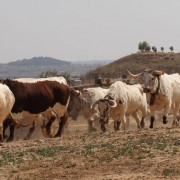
x,y
112,103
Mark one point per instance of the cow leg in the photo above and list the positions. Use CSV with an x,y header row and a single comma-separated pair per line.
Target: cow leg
x,y
142,123
165,121
91,124
11,135
103,128
48,125
117,124
124,123
62,123
136,117
7,122
176,114
1,132
166,111
152,122
102,125
127,121
91,127
31,130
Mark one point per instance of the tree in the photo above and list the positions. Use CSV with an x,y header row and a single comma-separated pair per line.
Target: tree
x,y
148,48
162,49
171,48
143,45
140,47
154,48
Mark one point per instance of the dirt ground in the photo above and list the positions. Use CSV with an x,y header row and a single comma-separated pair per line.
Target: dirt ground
x,y
134,154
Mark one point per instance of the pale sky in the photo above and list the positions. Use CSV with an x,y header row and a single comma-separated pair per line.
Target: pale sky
x,y
86,29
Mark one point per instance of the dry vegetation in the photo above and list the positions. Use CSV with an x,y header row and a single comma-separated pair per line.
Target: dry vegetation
x,y
145,154
169,62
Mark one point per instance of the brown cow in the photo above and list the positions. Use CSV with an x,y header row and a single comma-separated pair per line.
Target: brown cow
x,y
39,99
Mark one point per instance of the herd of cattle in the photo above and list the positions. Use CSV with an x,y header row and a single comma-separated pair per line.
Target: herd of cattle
x,y
45,99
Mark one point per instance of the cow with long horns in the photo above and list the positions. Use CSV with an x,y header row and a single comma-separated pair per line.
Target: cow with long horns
x,y
124,100
164,91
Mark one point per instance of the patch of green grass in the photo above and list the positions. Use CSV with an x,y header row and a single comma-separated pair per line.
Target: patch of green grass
x,y
87,151
109,146
15,158
169,172
127,148
148,140
50,151
160,143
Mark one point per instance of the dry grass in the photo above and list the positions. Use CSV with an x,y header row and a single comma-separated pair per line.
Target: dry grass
x,y
169,62
144,154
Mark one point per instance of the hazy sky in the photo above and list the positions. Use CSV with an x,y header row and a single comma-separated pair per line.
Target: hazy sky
x,y
86,29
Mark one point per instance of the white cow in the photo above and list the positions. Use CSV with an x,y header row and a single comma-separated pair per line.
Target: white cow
x,y
6,103
164,92
122,100
83,101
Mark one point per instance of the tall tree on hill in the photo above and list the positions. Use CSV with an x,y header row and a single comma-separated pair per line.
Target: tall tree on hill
x,y
140,47
162,49
154,48
171,48
148,48
143,45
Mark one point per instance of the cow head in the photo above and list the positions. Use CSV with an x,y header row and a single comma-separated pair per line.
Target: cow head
x,y
75,103
104,107
150,79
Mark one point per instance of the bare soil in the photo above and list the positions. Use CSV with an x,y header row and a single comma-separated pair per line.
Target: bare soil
x,y
134,154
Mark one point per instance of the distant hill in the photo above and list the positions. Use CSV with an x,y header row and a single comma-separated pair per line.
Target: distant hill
x,y
169,62
35,66
39,61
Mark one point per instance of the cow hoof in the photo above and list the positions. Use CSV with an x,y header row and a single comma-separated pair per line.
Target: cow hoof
x,y
103,129
175,123
9,140
165,121
94,129
142,125
26,138
151,126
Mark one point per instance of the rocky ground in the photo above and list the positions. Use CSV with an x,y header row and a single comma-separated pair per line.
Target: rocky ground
x,y
135,154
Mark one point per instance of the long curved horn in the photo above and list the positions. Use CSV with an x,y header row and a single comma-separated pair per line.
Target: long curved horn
x,y
157,73
133,75
112,103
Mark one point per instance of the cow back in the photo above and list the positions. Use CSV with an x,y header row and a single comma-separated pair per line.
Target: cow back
x,y
37,97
